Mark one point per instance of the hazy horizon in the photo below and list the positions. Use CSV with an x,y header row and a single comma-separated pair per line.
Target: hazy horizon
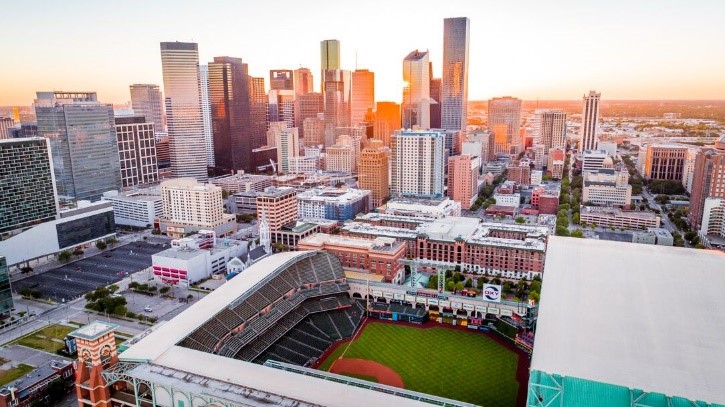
x,y
628,51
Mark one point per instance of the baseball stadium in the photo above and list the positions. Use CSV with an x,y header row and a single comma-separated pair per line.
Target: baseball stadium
x,y
289,332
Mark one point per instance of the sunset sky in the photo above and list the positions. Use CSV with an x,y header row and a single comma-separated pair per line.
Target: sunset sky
x,y
654,49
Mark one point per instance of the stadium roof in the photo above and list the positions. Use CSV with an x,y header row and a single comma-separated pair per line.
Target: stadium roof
x,y
641,316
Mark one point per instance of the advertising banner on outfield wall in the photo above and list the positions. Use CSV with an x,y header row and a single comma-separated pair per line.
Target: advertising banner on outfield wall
x,y
491,293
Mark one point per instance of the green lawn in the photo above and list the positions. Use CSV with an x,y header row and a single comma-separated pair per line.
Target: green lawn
x,y
460,365
41,339
7,376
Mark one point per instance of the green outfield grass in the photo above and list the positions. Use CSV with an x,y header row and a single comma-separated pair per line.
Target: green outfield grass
x,y
465,366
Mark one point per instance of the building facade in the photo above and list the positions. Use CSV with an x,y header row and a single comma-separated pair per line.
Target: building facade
x,y
374,171
185,122
613,217
550,128
190,206
708,180
463,179
590,121
454,83
416,91
417,163
310,106
147,101
329,58
138,208
278,206
363,95
281,79
607,187
387,120
136,141
27,196
337,94
504,120
665,162
302,81
332,203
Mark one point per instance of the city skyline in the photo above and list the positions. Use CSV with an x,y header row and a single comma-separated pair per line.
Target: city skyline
x,y
660,63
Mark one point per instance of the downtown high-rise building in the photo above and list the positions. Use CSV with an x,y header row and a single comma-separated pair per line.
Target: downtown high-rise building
x,y
708,180
416,91
417,163
504,119
287,141
337,95
27,196
281,107
550,128
136,150
302,81
329,58
363,95
590,121
386,121
258,110
463,179
231,114
374,171
82,142
182,88
281,79
206,114
147,101
454,82
308,106
435,103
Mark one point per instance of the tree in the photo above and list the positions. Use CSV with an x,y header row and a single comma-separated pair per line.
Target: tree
x,y
520,219
469,283
575,218
457,277
535,296
450,285
507,288
459,286
101,245
112,241
433,281
64,256
577,233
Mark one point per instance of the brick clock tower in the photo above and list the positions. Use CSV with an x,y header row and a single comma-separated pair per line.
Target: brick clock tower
x,y
96,344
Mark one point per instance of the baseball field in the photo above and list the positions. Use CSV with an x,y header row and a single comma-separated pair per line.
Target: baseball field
x,y
462,365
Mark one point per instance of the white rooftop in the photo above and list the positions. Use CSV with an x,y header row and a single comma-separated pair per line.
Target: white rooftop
x,y
641,316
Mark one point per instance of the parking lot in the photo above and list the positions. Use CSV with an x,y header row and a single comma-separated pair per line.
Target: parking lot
x,y
79,277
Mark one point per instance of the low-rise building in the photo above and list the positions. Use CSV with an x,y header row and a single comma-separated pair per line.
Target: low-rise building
x,y
537,177
519,173
278,206
555,162
242,182
607,187
195,258
378,255
30,389
593,160
617,218
138,208
423,207
332,203
658,236
512,200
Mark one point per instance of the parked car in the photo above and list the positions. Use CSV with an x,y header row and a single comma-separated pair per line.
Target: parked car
x,y
148,309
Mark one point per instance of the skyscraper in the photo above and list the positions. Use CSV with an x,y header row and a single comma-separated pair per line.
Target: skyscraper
x,y
374,171
363,95
550,127
417,163
303,81
387,120
308,106
147,101
187,147
281,107
288,146
27,196
337,96
708,180
506,111
206,114
590,121
281,79
435,103
258,107
416,90
136,150
83,143
329,58
454,84
231,114
463,179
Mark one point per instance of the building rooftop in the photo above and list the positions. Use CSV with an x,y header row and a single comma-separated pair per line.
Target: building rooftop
x,y
597,210
33,377
386,244
639,316
332,194
94,330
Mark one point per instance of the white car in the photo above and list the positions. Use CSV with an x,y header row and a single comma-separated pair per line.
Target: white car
x,y
148,309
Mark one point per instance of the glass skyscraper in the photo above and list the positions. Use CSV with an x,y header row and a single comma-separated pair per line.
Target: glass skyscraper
x,y
416,90
147,101
454,84
182,88
83,143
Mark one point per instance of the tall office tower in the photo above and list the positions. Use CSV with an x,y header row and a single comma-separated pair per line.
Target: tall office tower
x,y
550,128
416,91
337,102
303,81
5,124
329,59
363,95
665,162
258,107
435,103
590,121
506,111
230,106
463,179
288,146
708,180
27,196
184,117
387,120
281,107
206,114
281,79
82,142
147,101
314,129
136,151
373,171
454,83
417,163
307,106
